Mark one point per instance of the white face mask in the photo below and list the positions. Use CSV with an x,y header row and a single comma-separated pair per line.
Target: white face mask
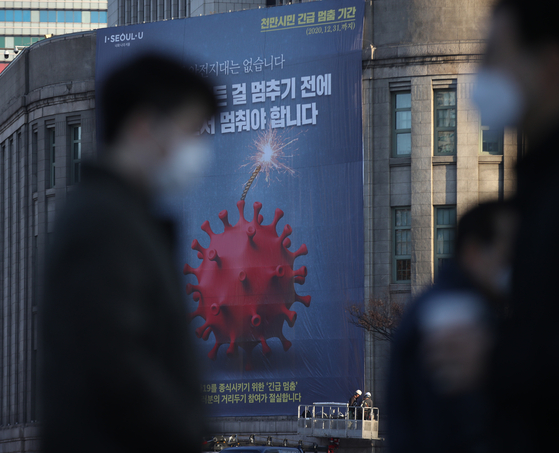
x,y
498,98
188,158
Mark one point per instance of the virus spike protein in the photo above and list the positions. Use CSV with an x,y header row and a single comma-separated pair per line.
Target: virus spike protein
x,y
246,284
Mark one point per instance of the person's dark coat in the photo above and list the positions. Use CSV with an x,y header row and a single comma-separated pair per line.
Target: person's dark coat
x,y
118,369
526,362
420,418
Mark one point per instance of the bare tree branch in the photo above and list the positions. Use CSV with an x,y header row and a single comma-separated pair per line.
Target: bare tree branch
x,y
379,316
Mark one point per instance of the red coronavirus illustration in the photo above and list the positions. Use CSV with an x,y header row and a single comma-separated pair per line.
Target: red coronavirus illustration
x,y
246,284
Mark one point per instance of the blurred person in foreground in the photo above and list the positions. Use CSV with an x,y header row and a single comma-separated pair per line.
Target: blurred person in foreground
x,y
436,394
519,86
118,368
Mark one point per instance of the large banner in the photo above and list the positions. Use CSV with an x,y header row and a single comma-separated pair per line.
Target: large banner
x,y
273,233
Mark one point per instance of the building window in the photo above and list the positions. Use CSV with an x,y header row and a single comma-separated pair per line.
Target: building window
x,y
34,148
60,16
445,229
76,149
491,140
98,17
401,142
402,245
25,40
445,122
51,148
17,15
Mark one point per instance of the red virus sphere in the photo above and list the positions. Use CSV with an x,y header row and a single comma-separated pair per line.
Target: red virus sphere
x,y
246,284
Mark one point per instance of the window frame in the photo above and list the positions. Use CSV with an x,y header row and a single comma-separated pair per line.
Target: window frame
x,y
51,156
500,144
438,227
396,257
437,129
75,176
395,130
34,154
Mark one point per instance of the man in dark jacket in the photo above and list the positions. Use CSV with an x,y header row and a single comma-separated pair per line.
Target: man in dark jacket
x,y
118,367
436,392
523,60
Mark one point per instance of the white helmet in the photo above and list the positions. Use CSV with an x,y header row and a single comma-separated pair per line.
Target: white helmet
x,y
368,395
358,392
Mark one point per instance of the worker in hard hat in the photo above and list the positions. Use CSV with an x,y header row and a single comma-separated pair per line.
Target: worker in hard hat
x,y
353,403
367,406
354,400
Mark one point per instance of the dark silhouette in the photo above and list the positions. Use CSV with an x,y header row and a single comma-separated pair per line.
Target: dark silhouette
x,y
437,399
118,368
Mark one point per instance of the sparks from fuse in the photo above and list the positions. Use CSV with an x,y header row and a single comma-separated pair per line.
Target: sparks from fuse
x,y
268,157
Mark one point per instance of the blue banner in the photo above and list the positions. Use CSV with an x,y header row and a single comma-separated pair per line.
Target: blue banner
x,y
269,277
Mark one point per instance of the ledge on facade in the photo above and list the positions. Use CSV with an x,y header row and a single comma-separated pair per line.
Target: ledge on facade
x,y
60,89
443,160
399,288
489,159
253,418
421,61
407,50
50,192
400,161
11,436
253,425
63,37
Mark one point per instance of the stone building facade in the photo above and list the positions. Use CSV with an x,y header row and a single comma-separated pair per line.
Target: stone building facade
x,y
46,122
428,158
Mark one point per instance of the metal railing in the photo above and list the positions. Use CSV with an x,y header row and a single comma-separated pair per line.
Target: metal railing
x,y
338,420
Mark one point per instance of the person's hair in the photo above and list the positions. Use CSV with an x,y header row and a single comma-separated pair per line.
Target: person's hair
x,y
536,20
480,224
153,83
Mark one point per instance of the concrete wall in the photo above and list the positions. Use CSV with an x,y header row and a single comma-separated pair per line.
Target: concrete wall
x,y
401,22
